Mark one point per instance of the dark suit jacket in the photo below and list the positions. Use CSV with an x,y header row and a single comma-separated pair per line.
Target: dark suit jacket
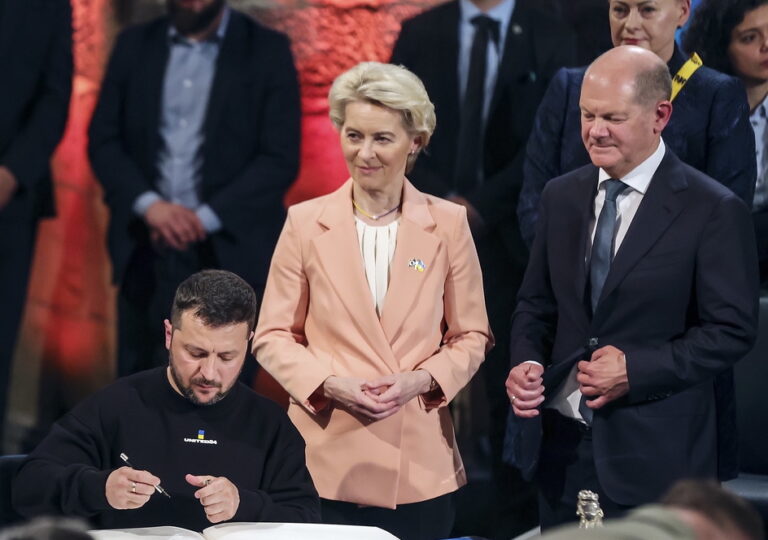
x,y
251,149
709,130
681,302
429,46
36,67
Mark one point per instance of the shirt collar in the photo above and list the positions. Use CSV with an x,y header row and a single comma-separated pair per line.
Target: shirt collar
x,y
501,13
640,177
218,36
761,111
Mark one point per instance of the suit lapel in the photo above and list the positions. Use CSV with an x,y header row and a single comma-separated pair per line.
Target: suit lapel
x,y
583,196
228,63
414,241
658,209
339,255
156,55
514,65
448,68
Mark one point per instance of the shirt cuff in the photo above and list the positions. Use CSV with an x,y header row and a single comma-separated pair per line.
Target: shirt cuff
x,y
533,362
208,218
144,201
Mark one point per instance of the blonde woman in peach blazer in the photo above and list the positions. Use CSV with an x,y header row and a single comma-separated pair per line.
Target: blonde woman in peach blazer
x,y
373,318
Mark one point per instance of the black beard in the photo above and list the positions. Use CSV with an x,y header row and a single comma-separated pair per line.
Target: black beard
x,y
187,391
188,22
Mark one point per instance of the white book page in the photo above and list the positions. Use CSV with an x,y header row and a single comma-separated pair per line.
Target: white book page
x,y
148,533
294,531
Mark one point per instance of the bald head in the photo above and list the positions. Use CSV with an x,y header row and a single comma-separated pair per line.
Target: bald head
x,y
624,108
635,66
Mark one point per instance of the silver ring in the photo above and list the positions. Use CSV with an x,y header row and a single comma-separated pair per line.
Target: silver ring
x,y
133,487
512,399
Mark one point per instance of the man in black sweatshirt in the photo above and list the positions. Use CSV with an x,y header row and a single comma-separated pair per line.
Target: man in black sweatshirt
x,y
220,451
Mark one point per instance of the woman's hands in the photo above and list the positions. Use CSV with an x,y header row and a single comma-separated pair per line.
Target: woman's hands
x,y
379,398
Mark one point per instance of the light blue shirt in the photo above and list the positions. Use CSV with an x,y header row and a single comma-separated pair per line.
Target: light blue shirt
x,y
502,14
186,89
759,120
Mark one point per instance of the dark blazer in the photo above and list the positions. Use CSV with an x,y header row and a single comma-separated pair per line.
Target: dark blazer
x,y
250,154
709,130
36,61
536,46
681,302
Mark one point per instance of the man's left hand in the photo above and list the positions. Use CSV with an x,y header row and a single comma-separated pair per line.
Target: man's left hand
x,y
605,376
8,186
219,497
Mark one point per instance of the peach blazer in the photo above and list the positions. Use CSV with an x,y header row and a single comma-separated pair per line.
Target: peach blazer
x,y
318,319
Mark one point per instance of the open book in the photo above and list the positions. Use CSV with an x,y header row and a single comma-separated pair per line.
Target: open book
x,y
248,531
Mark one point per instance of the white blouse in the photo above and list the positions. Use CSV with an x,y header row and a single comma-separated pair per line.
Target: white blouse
x,y
377,246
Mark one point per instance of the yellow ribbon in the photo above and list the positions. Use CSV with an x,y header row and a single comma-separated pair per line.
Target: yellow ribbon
x,y
684,74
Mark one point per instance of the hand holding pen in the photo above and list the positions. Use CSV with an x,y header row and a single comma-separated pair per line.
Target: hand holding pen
x,y
129,488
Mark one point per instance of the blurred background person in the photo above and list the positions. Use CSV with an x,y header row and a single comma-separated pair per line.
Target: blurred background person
x,y
709,129
34,101
195,139
486,65
732,36
373,318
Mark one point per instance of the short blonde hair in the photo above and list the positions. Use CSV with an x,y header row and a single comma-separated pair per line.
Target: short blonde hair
x,y
390,86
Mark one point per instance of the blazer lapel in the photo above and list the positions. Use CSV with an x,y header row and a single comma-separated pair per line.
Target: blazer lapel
x,y
414,241
658,209
339,255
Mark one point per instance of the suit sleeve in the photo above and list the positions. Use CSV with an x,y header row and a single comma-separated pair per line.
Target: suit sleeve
x,y
30,152
535,318
276,163
63,475
120,175
288,494
731,141
279,343
468,335
726,302
542,153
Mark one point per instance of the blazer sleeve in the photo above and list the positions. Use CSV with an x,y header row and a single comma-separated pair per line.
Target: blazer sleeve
x,y
542,153
279,343
726,289
731,141
276,163
30,152
117,171
467,336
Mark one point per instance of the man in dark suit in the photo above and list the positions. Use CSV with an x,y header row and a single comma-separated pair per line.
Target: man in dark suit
x,y
484,116
36,67
615,358
710,129
195,139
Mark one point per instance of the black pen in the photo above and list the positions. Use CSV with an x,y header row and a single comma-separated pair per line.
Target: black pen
x,y
157,487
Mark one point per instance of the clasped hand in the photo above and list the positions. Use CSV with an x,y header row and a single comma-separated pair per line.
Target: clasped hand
x,y
128,489
378,398
604,379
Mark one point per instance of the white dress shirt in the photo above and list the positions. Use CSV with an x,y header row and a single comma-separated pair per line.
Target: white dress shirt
x,y
377,246
566,400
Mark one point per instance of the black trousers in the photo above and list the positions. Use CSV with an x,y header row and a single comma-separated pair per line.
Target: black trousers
x,y
427,520
144,302
567,466
17,244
